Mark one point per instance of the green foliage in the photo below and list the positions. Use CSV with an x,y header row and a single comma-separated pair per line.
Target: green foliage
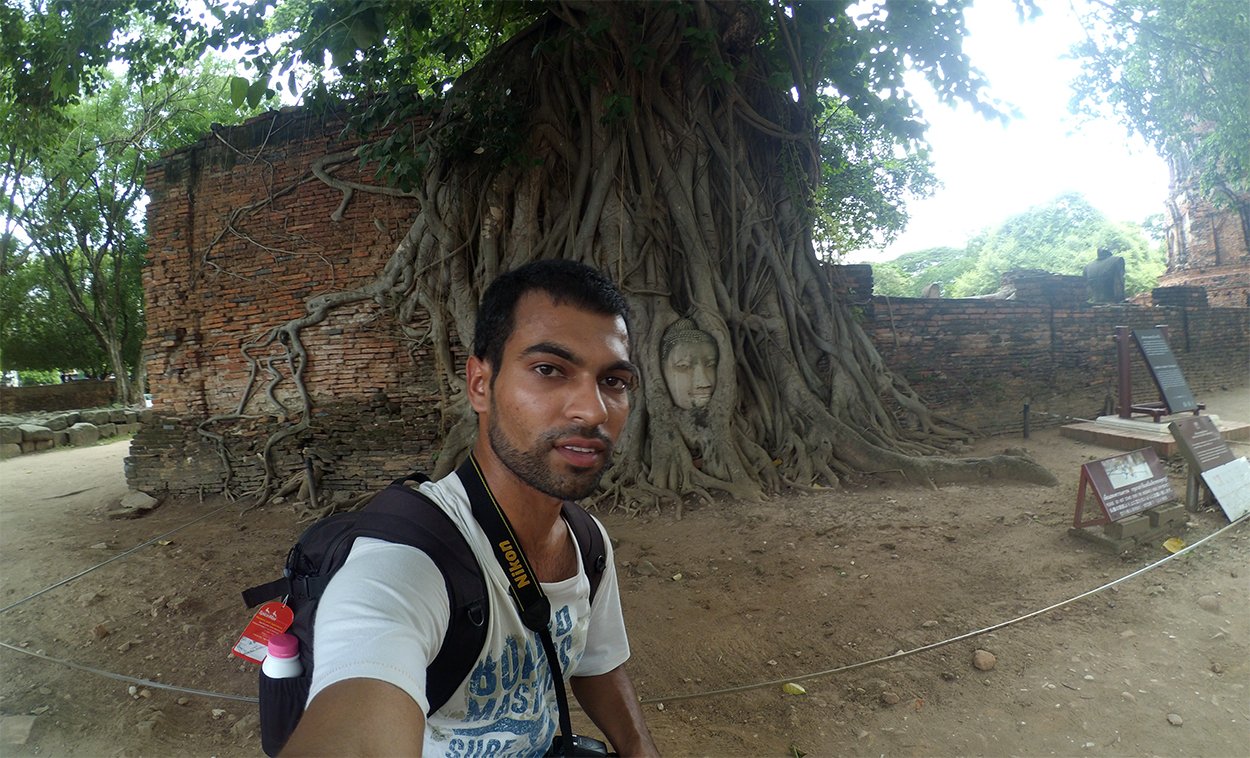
x,y
34,377
74,242
921,268
1176,72
888,279
1060,237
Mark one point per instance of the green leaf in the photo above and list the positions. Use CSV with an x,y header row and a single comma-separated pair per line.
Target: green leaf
x,y
256,93
239,87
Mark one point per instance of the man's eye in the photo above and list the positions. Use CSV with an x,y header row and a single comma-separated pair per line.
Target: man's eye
x,y
616,383
546,369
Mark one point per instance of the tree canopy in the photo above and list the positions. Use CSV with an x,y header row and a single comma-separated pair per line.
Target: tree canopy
x,y
1175,72
694,149
73,217
1061,237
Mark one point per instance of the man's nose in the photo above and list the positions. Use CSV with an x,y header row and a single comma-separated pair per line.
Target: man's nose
x,y
585,404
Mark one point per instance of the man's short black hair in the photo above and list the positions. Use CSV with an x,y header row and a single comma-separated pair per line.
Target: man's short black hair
x,y
567,282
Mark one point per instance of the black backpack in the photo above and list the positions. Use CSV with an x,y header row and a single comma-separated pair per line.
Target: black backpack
x,y
403,515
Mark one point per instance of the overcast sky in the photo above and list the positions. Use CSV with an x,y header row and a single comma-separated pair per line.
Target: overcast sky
x,y
990,171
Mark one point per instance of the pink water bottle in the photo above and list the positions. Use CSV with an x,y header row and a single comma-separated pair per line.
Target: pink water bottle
x,y
282,662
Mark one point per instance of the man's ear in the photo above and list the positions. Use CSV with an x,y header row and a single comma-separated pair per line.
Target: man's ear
x,y
477,374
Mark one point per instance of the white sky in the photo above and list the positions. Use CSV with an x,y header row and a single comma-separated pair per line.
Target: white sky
x,y
990,171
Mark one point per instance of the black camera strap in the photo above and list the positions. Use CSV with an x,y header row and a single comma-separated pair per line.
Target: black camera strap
x,y
532,605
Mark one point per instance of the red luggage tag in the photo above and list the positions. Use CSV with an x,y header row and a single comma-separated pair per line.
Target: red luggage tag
x,y
271,618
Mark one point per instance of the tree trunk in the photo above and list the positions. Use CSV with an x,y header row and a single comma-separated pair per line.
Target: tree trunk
x,y
637,155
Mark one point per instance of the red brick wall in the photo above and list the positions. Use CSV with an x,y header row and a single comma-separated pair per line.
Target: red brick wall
x,y
1207,240
217,279
57,397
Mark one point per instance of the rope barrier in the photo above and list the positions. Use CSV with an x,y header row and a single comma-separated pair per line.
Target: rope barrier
x,y
117,557
669,698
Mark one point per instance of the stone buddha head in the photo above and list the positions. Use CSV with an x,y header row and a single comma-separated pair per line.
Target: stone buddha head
x,y
688,356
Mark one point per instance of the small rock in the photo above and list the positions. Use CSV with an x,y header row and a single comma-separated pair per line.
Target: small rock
x,y
100,631
928,624
182,701
1217,668
100,546
125,647
45,691
1129,696
948,676
1088,677
144,693
1175,719
984,660
1127,634
218,713
247,724
1209,603
40,710
133,691
146,728
889,698
659,706
646,568
87,598
15,730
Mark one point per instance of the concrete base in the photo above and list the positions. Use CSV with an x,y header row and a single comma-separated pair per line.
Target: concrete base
x,y
1134,434
1151,526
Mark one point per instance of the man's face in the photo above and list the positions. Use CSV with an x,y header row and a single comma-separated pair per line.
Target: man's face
x,y
557,401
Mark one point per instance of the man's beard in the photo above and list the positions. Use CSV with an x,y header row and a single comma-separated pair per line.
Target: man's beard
x,y
533,467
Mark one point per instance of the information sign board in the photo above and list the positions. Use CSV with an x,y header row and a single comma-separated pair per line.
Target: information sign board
x,y
1123,485
1230,483
1164,370
1201,442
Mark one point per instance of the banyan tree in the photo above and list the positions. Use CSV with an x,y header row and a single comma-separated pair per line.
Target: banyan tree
x,y
709,156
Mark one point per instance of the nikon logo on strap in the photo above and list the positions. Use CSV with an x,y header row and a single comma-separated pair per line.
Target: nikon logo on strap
x,y
515,568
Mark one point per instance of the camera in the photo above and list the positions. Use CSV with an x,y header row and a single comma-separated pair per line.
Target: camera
x,y
586,747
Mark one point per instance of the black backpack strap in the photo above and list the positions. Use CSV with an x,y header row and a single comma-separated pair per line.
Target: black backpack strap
x,y
589,542
403,515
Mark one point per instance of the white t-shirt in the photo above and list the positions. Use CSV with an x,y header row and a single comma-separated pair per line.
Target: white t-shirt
x,y
385,613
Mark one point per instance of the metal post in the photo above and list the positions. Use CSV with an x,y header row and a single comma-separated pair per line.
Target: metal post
x,y
1026,419
1125,371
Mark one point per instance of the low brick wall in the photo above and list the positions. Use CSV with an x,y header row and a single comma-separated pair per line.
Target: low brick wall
x,y
979,361
88,393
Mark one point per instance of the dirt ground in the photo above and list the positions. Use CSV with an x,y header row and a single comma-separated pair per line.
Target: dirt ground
x,y
731,595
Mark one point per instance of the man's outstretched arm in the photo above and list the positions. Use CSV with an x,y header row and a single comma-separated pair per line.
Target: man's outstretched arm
x,y
359,717
610,701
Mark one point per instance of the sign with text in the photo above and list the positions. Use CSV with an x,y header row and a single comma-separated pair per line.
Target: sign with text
x,y
1123,485
1230,483
1201,442
1164,370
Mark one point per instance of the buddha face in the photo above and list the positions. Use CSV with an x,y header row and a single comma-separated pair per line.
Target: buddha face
x,y
689,365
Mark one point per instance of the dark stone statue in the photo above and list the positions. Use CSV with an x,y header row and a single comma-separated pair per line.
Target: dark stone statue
x,y
1104,278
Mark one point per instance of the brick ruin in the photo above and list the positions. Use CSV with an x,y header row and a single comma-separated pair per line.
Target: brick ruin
x,y
1208,239
219,276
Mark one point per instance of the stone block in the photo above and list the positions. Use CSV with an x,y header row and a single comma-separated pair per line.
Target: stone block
x,y
1127,528
1167,515
96,417
28,447
117,416
132,417
60,438
44,445
58,422
9,450
10,435
35,433
108,430
83,433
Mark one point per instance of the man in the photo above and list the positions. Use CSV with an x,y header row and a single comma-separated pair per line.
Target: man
x,y
549,378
